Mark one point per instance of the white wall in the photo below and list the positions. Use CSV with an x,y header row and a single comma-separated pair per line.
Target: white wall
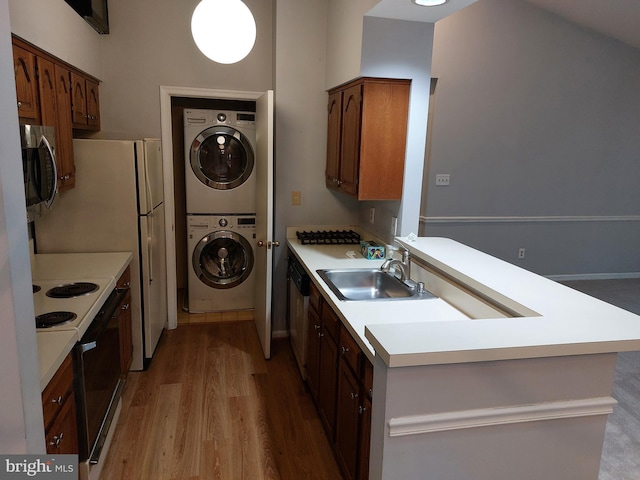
x,y
56,28
20,400
402,49
150,45
536,117
301,127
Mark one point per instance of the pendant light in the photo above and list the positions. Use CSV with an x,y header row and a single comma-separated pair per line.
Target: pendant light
x,y
223,30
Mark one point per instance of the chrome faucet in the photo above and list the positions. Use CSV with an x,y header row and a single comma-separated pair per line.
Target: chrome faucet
x,y
403,265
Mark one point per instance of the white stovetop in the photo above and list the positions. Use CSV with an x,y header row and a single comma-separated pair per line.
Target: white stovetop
x,y
423,332
49,270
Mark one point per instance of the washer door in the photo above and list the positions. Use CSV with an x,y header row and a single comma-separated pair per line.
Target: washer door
x,y
221,157
222,259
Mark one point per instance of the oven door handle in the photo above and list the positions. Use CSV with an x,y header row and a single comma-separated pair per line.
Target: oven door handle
x,y
86,346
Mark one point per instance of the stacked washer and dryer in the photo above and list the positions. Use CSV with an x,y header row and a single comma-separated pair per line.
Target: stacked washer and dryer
x,y
220,184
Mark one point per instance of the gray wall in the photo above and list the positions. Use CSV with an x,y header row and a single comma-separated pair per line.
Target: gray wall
x,y
537,122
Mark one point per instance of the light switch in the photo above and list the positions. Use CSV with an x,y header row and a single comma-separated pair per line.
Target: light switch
x,y
296,198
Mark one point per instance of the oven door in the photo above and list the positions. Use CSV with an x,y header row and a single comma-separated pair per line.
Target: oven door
x,y
98,379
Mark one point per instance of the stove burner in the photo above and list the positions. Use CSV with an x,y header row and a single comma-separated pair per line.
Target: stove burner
x,y
36,288
51,319
70,290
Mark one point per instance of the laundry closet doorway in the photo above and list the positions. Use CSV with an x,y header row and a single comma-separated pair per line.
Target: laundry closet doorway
x,y
174,100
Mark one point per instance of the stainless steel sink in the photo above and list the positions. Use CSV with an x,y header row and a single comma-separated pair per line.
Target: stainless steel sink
x,y
353,284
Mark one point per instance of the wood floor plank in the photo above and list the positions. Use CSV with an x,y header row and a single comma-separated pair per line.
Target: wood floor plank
x,y
211,407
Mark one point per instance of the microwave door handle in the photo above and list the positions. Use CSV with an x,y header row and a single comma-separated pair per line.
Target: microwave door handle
x,y
52,159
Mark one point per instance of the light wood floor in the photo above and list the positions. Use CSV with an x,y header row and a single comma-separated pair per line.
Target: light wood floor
x,y
211,407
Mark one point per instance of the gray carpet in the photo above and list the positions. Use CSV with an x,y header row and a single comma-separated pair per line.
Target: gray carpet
x,y
621,451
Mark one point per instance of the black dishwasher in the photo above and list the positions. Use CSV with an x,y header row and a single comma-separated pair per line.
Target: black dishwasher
x,y
298,307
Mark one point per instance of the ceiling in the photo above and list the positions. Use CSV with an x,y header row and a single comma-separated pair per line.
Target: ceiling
x,y
618,19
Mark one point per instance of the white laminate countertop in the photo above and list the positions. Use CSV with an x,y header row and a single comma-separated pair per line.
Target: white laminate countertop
x,y
557,320
55,345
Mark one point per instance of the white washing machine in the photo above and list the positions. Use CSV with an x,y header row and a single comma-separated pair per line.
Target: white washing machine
x,y
220,162
221,262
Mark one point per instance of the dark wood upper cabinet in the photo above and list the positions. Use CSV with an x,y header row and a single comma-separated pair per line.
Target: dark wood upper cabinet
x,y
366,138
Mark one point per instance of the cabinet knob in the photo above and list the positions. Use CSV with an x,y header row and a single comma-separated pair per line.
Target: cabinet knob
x,y
344,349
320,335
354,396
19,105
361,409
125,306
261,243
316,326
57,439
57,400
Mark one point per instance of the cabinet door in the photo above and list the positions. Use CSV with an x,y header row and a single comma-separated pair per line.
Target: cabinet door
x,y
64,130
78,101
365,439
350,143
347,416
24,69
327,382
313,352
334,136
93,104
62,437
47,91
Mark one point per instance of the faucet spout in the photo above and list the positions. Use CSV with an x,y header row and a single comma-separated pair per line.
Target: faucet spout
x,y
404,265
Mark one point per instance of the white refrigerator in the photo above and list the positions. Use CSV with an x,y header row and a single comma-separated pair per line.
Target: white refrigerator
x,y
118,205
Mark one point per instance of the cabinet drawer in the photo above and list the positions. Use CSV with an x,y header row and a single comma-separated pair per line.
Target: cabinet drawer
x,y
349,351
125,279
330,322
56,392
314,296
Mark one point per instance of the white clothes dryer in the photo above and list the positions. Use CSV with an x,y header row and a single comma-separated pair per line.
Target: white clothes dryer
x,y
221,274
220,162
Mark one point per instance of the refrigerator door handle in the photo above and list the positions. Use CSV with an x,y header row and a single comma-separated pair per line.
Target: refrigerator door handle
x,y
150,244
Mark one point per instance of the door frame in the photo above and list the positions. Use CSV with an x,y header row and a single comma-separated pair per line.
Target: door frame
x,y
166,93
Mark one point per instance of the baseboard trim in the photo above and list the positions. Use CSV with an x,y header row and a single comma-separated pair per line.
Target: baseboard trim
x,y
490,417
280,334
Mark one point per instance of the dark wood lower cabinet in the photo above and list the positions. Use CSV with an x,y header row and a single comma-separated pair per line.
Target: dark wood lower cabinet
x,y
327,382
339,378
347,419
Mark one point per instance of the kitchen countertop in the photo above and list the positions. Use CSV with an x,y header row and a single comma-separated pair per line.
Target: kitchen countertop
x,y
55,345
556,320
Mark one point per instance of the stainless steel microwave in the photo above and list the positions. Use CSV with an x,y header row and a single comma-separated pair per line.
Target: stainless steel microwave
x,y
38,168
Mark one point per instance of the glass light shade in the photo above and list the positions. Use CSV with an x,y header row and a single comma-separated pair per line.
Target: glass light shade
x,y
429,3
223,30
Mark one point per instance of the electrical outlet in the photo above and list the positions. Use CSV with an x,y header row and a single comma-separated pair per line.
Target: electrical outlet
x,y
394,226
521,252
443,179
296,198
372,214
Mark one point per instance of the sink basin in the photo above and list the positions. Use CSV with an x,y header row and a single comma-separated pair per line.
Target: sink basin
x,y
354,284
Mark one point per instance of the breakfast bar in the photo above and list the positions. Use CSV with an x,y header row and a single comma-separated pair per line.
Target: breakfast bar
x,y
505,374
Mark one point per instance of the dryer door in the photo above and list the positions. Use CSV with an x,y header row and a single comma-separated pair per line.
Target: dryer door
x,y
221,157
223,259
